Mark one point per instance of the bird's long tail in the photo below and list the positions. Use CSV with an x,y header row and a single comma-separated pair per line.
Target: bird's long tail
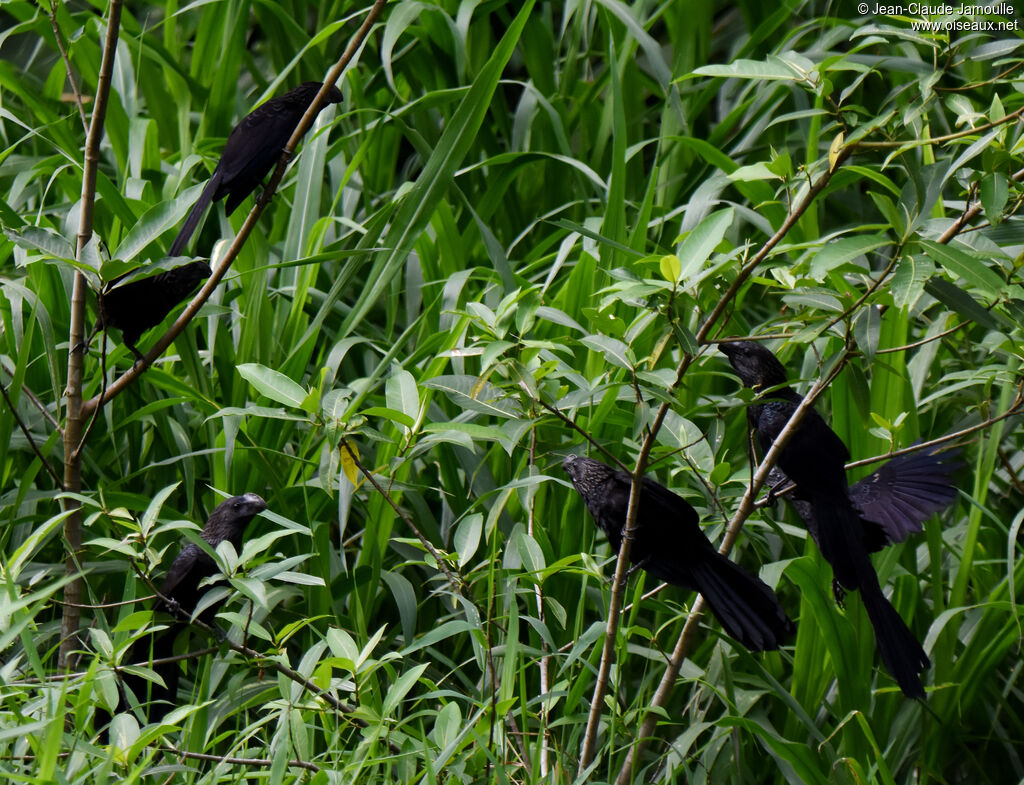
x,y
901,653
840,538
745,605
195,215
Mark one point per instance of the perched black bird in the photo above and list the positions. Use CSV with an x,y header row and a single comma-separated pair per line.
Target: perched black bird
x,y
896,499
181,586
137,306
814,459
670,545
252,149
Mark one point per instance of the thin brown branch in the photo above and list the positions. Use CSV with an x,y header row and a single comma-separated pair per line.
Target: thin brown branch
x,y
95,414
354,45
137,369
544,664
971,211
619,581
262,762
190,655
618,588
572,424
34,400
100,605
265,660
67,61
870,290
972,86
1017,407
74,411
32,442
940,139
1011,473
923,341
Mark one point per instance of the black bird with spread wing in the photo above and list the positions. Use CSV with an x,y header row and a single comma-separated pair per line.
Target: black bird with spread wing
x,y
814,459
896,499
182,587
670,545
252,149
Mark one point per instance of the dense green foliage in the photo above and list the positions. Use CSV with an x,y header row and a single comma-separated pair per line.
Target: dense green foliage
x,y
518,219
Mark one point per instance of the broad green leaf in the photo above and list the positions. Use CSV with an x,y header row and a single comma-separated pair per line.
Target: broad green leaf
x,y
697,247
614,350
961,264
959,301
273,384
843,250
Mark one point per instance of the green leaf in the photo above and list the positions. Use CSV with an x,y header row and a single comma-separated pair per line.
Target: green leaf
x,y
154,222
474,393
428,192
772,67
274,385
401,394
912,272
961,264
467,537
399,688
40,238
697,247
994,193
961,302
614,350
843,250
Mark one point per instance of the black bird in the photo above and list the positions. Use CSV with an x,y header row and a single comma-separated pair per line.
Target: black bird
x,y
896,499
814,459
181,587
136,306
670,545
252,149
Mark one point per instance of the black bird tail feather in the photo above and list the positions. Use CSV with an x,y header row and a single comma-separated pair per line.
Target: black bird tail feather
x,y
839,537
194,216
900,651
745,605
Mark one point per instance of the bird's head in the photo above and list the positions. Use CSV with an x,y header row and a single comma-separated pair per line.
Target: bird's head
x,y
586,474
232,515
754,364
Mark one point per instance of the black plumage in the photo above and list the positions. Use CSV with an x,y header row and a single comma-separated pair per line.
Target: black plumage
x,y
896,499
252,149
670,545
182,587
137,306
814,459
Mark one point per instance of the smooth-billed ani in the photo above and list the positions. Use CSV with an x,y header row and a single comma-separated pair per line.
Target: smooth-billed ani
x,y
814,460
669,544
137,306
252,149
182,587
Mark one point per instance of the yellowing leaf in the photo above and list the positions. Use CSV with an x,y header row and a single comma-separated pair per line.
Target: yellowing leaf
x,y
833,150
348,463
670,267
